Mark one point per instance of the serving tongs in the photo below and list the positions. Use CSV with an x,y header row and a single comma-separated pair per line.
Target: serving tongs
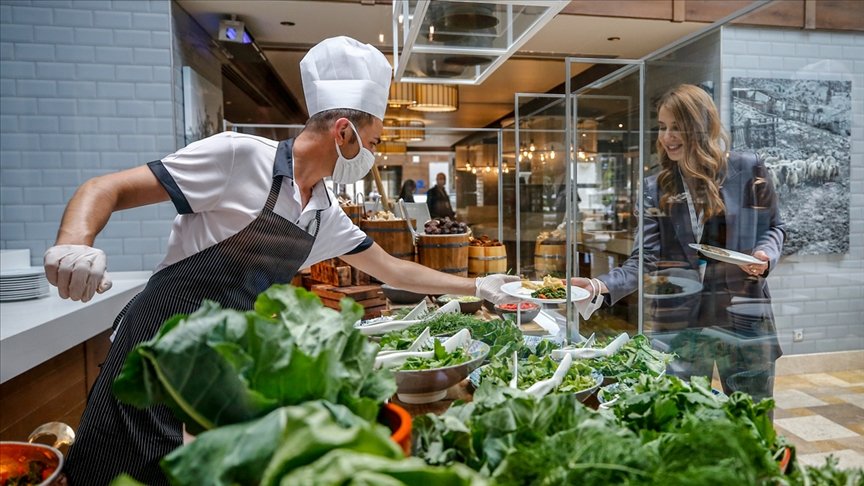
x,y
451,307
393,360
543,387
418,344
588,353
513,381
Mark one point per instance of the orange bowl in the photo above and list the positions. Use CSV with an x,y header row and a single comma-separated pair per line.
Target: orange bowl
x,y
399,422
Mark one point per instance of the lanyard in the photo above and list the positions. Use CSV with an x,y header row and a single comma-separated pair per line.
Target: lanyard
x,y
695,221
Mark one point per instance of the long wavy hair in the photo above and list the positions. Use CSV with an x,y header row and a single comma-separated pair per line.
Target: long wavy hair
x,y
705,142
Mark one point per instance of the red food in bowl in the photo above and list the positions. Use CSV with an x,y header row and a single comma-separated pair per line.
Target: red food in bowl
x,y
521,306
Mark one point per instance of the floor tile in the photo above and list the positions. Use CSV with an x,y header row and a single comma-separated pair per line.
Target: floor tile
x,y
850,376
847,459
856,399
824,379
780,413
845,414
815,428
795,399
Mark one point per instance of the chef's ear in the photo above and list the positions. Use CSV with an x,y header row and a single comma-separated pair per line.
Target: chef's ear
x,y
342,131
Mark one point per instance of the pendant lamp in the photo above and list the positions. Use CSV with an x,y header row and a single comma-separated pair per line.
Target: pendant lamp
x,y
436,98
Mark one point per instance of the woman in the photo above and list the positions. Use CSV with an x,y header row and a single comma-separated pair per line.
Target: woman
x,y
407,192
705,195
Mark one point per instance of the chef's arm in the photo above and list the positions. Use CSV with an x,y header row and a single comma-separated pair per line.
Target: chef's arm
x,y
406,275
92,204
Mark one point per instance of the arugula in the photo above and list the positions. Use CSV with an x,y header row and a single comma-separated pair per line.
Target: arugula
x,y
220,366
536,368
441,359
502,336
634,359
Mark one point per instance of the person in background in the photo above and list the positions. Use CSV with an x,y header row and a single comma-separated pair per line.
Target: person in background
x,y
706,195
407,192
251,212
438,200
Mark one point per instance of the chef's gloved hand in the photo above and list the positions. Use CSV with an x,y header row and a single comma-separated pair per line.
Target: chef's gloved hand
x,y
78,271
489,288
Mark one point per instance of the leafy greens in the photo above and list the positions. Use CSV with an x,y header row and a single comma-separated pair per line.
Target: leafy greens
x,y
219,366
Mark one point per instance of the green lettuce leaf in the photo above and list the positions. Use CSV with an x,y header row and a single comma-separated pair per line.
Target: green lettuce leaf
x,y
347,468
262,450
219,366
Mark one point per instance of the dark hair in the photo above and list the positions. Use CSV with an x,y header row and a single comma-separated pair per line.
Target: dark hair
x,y
321,121
408,188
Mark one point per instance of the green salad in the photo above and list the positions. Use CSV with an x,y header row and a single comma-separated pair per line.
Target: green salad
x,y
442,359
538,368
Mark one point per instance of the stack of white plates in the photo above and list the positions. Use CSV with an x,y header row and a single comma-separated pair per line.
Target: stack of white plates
x,y
22,284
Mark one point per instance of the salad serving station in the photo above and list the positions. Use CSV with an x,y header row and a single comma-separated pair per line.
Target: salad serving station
x,y
438,394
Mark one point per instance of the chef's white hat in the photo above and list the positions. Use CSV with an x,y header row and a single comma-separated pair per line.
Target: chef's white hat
x,y
341,72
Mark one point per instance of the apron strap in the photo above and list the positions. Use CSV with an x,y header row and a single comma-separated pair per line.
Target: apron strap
x,y
274,193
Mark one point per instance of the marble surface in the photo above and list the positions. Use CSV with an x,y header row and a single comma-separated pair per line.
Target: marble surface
x,y
33,331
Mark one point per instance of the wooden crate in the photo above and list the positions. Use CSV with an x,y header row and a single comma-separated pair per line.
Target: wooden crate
x,y
332,272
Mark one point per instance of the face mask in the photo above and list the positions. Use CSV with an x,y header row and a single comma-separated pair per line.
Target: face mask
x,y
349,171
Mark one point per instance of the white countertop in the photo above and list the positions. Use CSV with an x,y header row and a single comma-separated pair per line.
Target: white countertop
x,y
33,331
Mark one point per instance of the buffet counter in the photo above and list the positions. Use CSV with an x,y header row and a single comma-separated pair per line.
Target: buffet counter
x,y
34,331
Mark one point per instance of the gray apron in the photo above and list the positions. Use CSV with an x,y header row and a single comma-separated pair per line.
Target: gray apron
x,y
114,438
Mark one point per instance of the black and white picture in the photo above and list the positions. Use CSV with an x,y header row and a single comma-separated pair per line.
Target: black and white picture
x,y
801,128
202,106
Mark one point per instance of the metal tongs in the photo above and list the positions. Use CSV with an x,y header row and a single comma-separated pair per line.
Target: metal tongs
x,y
542,388
451,307
392,360
587,353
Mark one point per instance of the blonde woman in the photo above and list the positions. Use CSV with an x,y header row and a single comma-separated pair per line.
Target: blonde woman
x,y
705,194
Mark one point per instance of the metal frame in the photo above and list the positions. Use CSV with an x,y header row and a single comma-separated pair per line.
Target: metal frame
x,y
400,59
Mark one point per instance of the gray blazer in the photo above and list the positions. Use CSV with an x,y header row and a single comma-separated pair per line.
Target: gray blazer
x,y
750,225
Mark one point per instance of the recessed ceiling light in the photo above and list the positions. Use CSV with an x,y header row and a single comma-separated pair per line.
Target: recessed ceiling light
x,y
287,22
613,38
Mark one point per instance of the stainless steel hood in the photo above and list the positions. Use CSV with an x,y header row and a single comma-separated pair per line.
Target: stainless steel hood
x,y
462,41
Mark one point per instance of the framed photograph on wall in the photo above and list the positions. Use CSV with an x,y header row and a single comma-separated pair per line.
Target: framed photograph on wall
x,y
801,128
202,106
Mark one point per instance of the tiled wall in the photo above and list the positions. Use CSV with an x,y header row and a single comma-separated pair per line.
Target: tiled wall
x,y
85,89
821,294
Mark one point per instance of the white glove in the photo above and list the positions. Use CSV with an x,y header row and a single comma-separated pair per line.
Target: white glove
x,y
78,271
587,306
489,288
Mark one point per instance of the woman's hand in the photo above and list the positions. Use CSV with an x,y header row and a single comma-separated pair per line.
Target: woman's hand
x,y
757,269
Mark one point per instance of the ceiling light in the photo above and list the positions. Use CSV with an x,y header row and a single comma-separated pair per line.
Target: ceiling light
x,y
402,94
411,131
620,125
436,98
381,38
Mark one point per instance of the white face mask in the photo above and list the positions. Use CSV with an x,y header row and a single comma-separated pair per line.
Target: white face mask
x,y
349,171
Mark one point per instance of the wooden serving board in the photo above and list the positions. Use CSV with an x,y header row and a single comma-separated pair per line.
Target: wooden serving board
x,y
356,292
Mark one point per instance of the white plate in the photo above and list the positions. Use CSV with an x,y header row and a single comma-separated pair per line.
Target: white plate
x,y
516,289
732,257
22,272
688,286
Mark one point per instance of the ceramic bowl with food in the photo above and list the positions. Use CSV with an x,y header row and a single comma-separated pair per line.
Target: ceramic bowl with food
x,y
399,296
468,304
527,311
426,386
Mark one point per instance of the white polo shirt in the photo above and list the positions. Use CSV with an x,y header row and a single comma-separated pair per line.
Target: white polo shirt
x,y
220,184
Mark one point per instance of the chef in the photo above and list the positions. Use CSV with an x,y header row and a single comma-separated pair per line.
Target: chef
x,y
251,212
